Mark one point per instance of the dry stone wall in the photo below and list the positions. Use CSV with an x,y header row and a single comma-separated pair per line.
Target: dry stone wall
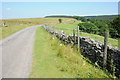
x,y
93,50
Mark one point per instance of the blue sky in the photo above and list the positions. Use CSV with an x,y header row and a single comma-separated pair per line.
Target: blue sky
x,y
11,10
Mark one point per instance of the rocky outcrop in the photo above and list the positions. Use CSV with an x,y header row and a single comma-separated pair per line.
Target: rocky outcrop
x,y
92,49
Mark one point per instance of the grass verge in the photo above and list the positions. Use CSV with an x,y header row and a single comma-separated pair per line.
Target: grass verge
x,y
52,59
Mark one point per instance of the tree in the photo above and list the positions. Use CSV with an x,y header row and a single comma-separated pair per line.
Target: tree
x,y
113,33
115,24
80,18
102,25
88,27
60,20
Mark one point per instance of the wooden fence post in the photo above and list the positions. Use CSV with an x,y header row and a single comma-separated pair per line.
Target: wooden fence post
x,y
105,49
78,38
74,36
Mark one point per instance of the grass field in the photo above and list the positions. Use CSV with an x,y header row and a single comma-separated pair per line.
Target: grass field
x,y
14,25
68,29
49,21
52,59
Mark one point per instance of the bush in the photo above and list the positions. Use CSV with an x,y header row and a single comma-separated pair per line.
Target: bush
x,y
60,20
115,25
88,27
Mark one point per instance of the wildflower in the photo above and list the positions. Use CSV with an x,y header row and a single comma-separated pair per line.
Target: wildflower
x,y
60,44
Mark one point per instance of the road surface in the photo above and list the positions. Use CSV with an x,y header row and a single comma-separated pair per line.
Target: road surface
x,y
17,52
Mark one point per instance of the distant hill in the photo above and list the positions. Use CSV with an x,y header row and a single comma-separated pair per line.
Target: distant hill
x,y
102,17
61,16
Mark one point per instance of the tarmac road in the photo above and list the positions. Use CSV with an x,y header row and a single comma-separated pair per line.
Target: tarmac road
x,y
17,52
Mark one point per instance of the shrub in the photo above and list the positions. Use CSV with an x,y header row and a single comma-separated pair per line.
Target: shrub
x,y
60,20
88,27
115,24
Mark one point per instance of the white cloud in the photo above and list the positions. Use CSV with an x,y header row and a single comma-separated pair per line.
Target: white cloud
x,y
8,9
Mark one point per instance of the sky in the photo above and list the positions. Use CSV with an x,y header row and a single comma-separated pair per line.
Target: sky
x,y
13,10
60,0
